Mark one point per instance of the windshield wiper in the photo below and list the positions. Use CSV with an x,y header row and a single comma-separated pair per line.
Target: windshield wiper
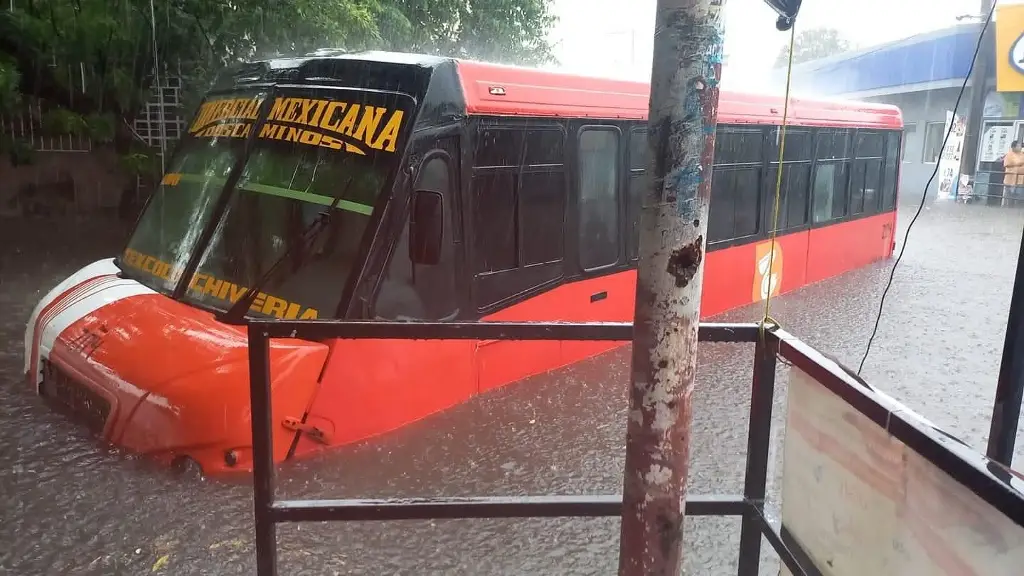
x,y
308,238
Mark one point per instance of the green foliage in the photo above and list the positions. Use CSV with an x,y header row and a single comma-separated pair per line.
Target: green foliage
x,y
63,121
812,44
141,162
19,153
101,128
91,61
10,79
510,31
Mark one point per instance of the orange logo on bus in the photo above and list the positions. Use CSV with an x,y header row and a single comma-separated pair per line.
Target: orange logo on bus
x,y
767,271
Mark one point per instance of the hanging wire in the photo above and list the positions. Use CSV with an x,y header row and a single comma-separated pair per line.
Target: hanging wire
x,y
924,193
778,188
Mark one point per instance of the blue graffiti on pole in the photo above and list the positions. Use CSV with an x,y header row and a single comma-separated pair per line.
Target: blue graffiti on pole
x,y
684,180
716,54
692,104
685,177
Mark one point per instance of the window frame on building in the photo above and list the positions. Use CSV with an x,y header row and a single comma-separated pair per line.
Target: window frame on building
x,y
940,136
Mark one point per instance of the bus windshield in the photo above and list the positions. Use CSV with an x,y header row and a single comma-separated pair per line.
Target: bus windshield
x,y
315,145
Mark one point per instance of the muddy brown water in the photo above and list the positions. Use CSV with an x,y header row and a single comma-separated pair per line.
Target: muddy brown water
x,y
70,505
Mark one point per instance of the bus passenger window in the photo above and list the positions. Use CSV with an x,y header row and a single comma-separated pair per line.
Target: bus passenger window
x,y
518,198
499,148
793,196
418,292
831,175
734,207
866,184
892,162
541,215
796,180
736,184
598,199
740,146
637,169
494,220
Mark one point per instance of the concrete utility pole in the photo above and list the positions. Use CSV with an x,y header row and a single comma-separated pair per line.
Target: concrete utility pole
x,y
976,112
681,131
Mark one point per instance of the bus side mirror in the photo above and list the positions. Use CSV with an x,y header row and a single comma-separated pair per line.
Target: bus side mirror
x,y
787,11
426,227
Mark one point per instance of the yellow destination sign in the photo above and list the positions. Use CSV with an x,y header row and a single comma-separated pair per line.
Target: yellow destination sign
x,y
353,127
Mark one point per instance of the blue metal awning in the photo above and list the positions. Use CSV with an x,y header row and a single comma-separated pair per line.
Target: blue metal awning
x,y
923,62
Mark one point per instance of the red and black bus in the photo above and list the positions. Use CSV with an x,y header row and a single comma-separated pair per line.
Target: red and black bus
x,y
383,186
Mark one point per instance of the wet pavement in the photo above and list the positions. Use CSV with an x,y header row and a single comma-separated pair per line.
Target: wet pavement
x,y
69,505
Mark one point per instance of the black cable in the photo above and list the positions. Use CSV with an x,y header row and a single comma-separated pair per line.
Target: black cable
x,y
924,196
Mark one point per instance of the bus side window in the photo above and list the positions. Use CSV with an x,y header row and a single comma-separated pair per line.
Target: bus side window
x,y
892,163
794,196
833,156
598,200
866,180
736,184
637,170
518,211
418,292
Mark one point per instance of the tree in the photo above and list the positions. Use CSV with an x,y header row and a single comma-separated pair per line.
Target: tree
x,y
812,44
91,61
509,31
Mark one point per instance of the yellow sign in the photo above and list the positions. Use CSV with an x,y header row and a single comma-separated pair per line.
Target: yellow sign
x,y
355,128
1010,48
208,285
230,117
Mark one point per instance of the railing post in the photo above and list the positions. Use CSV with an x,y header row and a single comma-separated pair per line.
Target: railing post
x,y
1010,386
673,223
262,452
762,396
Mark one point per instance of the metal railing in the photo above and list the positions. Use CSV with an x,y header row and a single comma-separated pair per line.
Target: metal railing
x,y
970,470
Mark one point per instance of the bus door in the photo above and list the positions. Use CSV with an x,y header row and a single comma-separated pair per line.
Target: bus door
x,y
373,385
605,291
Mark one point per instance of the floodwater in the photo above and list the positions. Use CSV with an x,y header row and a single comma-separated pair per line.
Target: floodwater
x,y
69,505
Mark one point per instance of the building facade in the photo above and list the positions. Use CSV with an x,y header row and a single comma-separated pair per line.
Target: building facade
x,y
923,75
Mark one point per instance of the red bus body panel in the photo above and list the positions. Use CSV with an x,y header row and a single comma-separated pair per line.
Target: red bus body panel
x,y
177,380
371,387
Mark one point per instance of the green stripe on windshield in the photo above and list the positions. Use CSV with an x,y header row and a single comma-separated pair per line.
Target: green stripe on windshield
x,y
308,197
286,193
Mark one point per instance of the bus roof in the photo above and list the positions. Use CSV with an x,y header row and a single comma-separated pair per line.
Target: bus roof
x,y
515,91
497,89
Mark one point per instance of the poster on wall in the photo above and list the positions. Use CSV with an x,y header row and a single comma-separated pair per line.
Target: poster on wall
x,y
949,161
995,142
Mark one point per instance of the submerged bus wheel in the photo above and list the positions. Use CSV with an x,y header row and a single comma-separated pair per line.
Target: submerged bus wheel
x,y
187,467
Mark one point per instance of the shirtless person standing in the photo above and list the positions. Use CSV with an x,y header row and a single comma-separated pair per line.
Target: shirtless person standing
x,y
1013,167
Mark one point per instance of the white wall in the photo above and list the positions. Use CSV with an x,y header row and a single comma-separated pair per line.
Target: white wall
x,y
918,109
